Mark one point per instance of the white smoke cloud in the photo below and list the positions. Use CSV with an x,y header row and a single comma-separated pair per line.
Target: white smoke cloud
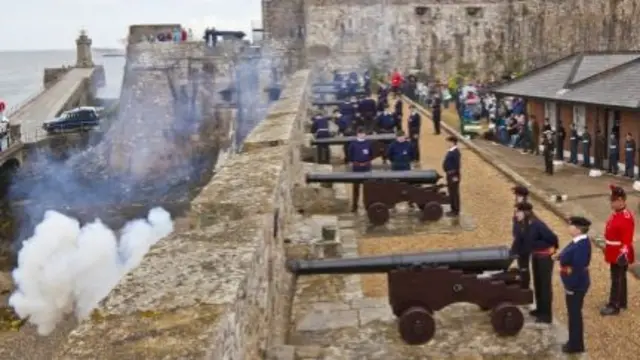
x,y
64,268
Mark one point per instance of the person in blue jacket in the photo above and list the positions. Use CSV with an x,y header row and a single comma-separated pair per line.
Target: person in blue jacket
x,y
521,194
400,153
360,155
414,125
345,128
537,243
320,130
451,166
349,107
386,123
574,262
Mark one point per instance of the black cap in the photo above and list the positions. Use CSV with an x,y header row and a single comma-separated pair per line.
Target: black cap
x,y
579,221
452,139
617,192
520,190
524,206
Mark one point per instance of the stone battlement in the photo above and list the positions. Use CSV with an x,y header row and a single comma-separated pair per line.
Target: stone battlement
x,y
215,289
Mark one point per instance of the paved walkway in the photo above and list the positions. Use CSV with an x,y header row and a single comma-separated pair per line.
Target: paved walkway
x,y
48,104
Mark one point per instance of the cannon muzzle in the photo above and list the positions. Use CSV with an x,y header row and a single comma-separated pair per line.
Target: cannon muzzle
x,y
429,177
475,260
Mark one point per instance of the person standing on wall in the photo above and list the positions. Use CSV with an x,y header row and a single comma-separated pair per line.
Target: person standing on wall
x,y
629,156
574,262
618,250
360,156
451,166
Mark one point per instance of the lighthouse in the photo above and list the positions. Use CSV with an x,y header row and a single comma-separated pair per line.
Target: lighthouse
x,y
83,51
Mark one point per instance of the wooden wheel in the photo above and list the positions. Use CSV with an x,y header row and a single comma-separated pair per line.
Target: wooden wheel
x,y
378,213
416,326
507,319
432,211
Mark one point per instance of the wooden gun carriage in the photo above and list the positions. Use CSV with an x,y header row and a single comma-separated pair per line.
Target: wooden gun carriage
x,y
422,283
379,142
382,190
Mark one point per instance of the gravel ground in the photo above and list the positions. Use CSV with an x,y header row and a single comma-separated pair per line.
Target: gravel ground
x,y
487,198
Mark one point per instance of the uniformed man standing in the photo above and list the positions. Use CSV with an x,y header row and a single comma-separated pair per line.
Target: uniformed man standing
x,y
561,134
345,128
547,152
415,122
400,153
320,130
574,262
397,108
522,194
451,166
536,241
436,112
629,156
614,153
573,144
360,156
586,148
387,123
618,251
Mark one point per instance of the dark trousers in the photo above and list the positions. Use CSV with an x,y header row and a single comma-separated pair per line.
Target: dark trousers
x,y
573,157
436,122
355,195
618,292
560,151
523,268
345,149
453,188
323,154
613,163
548,163
542,269
415,141
586,156
629,164
575,301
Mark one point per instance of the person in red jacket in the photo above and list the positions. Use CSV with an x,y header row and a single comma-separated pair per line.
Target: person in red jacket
x,y
396,81
618,251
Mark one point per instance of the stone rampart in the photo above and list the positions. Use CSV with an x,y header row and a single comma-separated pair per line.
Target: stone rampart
x,y
217,288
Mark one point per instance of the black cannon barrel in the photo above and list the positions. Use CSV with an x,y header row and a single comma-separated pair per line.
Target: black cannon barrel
x,y
339,140
410,176
475,260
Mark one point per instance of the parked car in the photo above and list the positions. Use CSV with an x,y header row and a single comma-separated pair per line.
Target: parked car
x,y
82,118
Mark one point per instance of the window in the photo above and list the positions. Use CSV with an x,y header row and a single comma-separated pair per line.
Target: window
x,y
580,118
550,113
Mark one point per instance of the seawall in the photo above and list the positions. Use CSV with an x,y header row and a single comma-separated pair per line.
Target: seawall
x,y
217,288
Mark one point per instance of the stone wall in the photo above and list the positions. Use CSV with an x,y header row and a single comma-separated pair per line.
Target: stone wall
x,y
52,75
216,289
480,38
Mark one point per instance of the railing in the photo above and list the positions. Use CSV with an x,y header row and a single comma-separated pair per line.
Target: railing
x,y
15,108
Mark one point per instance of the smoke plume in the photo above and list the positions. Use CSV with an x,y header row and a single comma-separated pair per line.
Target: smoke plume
x,y
65,268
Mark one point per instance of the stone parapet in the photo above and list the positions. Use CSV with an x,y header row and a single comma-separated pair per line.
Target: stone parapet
x,y
217,290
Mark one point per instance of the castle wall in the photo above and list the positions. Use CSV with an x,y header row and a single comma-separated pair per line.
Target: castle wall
x,y
217,288
482,38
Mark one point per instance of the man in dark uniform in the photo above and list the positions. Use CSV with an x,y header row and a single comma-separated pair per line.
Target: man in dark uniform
x,y
400,153
537,242
320,130
586,148
367,110
600,150
367,83
547,152
614,153
574,139
387,123
349,108
436,112
451,166
535,135
345,128
522,194
360,156
629,156
397,108
574,262
561,134
415,122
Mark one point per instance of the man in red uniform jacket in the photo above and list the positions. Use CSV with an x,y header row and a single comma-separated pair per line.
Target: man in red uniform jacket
x,y
396,81
618,251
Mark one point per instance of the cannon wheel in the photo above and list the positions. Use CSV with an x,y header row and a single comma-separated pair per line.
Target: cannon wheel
x,y
378,213
432,211
507,319
416,326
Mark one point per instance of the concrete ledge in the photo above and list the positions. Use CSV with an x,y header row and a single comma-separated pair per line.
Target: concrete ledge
x,y
536,193
218,291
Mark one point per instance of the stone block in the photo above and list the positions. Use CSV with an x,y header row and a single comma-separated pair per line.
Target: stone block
x,y
321,320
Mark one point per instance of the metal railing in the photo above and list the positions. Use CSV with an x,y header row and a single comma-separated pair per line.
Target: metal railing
x,y
16,108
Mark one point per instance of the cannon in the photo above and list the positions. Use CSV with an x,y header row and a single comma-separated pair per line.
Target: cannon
x,y
379,142
382,190
422,283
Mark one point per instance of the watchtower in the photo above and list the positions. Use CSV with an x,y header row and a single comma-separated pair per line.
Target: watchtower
x,y
83,51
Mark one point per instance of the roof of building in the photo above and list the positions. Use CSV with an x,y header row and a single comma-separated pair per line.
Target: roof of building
x,y
599,78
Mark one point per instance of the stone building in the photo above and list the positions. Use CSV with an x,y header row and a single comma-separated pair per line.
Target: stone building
x,y
478,38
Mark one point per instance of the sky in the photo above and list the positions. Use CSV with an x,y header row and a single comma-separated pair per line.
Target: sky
x,y
46,24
